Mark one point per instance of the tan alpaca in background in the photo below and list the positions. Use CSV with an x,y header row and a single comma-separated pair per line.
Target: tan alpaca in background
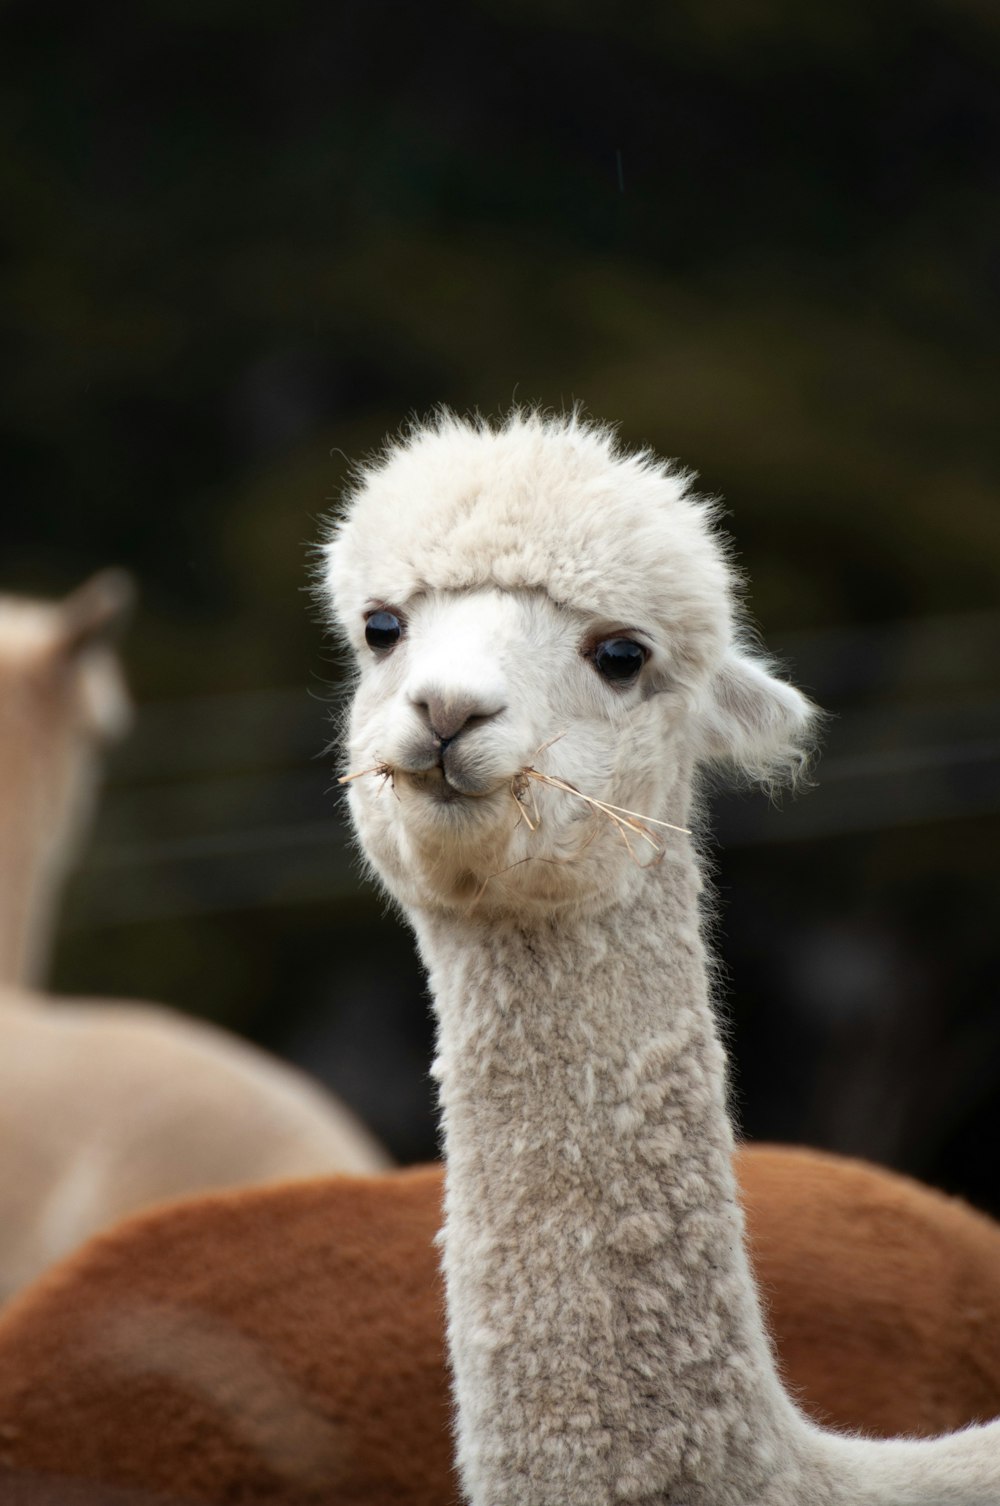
x,y
105,1107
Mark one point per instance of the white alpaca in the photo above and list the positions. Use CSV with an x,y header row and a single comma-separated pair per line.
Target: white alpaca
x,y
106,1107
532,597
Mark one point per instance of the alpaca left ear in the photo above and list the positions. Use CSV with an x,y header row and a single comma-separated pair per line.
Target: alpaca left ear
x,y
756,724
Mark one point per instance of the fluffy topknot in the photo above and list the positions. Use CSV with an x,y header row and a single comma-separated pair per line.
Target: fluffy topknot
x,y
535,502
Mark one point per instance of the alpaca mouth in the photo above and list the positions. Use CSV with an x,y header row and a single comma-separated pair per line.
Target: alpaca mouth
x,y
435,783
446,786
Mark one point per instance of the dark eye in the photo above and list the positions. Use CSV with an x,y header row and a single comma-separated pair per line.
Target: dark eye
x,y
619,659
383,629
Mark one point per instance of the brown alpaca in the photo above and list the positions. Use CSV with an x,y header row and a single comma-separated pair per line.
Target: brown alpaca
x,y
105,1107
284,1346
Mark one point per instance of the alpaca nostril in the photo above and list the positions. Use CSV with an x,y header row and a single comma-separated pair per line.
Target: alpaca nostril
x,y
447,716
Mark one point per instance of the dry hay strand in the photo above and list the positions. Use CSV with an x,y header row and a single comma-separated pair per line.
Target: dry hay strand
x,y
383,770
624,820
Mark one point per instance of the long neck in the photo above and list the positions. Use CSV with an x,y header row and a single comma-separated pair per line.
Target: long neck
x,y
47,794
27,896
606,1338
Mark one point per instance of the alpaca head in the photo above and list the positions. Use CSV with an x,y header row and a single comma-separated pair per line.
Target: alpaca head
x,y
532,597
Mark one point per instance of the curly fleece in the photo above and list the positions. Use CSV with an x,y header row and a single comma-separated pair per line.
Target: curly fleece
x,y
550,503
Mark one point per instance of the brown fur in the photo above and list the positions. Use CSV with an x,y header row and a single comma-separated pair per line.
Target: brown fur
x,y
284,1345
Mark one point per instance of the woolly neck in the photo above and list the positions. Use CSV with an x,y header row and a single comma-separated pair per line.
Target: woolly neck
x,y
607,1343
28,880
50,793
606,1338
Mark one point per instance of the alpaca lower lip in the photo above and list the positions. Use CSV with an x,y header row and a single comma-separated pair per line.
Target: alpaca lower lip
x,y
436,783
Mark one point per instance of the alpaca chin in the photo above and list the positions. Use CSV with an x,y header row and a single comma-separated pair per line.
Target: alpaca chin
x,y
481,854
427,847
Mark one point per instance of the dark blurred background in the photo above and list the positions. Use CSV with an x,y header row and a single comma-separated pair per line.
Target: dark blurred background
x,y
243,241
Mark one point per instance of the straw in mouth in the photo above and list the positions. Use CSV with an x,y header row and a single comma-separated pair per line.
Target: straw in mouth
x,y
624,820
384,771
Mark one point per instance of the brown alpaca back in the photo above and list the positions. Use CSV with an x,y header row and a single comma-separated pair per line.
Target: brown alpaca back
x,y
285,1345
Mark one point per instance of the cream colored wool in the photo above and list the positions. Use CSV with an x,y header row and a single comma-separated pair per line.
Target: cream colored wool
x,y
605,1333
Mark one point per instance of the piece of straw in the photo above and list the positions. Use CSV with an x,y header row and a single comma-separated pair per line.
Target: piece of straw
x,y
623,818
383,769
522,811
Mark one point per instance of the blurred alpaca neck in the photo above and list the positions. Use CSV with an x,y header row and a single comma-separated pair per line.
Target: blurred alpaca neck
x,y
27,900
39,821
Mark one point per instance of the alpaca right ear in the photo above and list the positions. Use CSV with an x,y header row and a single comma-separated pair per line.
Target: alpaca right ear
x,y
88,624
756,724
96,612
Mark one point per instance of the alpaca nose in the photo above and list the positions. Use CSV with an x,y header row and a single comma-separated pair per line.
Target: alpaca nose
x,y
448,715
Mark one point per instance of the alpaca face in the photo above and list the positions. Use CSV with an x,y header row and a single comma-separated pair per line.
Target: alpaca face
x,y
459,695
